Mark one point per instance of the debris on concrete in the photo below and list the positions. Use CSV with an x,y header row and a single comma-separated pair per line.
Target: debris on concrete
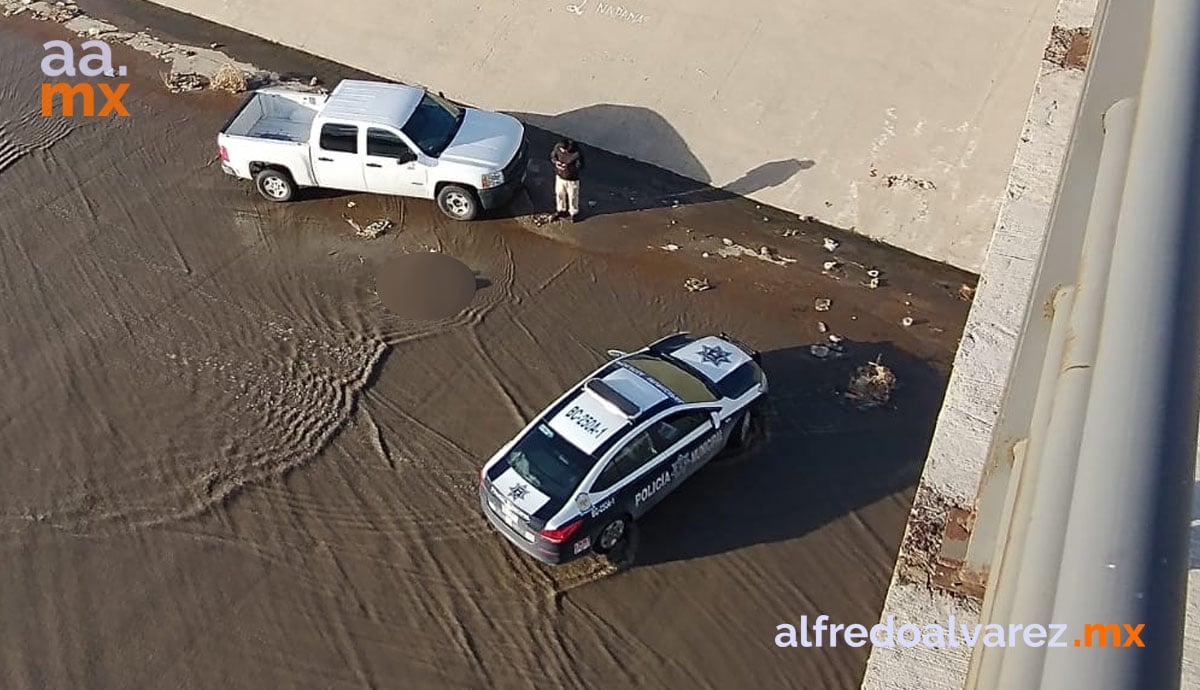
x,y
350,204
79,23
376,228
372,230
182,82
966,293
831,244
791,233
767,254
907,181
871,385
822,304
835,338
822,327
697,284
541,219
705,255
1069,48
871,283
670,247
228,78
829,265
906,321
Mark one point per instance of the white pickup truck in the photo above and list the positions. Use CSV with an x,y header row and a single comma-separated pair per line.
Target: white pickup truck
x,y
376,137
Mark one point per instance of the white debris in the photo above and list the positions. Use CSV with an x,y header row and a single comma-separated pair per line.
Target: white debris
x,y
906,321
822,327
350,204
726,241
831,244
670,247
696,284
764,253
822,304
835,339
830,265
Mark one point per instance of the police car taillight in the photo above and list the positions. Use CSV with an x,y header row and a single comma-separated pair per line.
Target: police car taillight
x,y
561,534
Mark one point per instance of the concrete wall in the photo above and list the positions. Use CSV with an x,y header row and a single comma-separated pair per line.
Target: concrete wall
x,y
809,106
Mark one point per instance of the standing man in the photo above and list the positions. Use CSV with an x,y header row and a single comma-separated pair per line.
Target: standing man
x,y
568,162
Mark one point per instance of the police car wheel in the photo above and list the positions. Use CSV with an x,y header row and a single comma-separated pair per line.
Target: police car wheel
x,y
612,535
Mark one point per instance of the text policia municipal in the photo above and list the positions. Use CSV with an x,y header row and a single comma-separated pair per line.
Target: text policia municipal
x,y
887,634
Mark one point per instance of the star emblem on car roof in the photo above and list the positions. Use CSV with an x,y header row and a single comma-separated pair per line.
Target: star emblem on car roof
x,y
518,491
715,356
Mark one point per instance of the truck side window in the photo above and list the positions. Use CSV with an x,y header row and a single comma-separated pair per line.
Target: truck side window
x,y
381,142
343,138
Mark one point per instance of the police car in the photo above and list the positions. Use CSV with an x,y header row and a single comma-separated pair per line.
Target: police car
x,y
606,452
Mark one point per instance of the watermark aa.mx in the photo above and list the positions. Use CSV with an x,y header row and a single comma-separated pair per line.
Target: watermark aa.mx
x,y
60,61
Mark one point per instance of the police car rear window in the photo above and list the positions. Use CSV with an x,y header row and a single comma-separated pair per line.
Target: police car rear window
x,y
549,462
684,384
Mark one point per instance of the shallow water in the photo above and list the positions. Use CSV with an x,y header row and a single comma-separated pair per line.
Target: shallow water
x,y
226,463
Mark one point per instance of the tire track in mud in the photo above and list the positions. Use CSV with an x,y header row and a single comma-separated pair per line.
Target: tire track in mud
x,y
29,133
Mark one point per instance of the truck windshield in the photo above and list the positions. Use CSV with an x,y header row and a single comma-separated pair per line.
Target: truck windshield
x,y
549,462
434,124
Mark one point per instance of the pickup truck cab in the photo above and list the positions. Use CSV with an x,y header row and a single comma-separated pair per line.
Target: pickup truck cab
x,y
376,137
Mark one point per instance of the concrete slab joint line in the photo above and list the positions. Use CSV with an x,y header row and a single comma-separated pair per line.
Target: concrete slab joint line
x,y
932,580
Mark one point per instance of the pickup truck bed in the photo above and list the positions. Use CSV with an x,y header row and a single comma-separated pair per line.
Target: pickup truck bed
x,y
278,117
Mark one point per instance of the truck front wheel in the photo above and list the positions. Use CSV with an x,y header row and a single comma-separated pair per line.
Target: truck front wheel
x,y
458,203
275,185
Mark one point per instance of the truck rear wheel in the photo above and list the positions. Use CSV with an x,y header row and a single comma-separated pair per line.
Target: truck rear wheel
x,y
459,203
275,185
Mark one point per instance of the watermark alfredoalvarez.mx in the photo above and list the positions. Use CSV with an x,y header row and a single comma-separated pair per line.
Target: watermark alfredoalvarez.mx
x,y
59,62
888,634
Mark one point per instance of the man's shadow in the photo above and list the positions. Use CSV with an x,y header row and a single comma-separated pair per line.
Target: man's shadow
x,y
665,173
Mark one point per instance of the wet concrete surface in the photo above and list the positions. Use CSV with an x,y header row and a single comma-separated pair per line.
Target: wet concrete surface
x,y
229,464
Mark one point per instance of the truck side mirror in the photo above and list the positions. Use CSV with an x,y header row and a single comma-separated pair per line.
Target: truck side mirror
x,y
406,157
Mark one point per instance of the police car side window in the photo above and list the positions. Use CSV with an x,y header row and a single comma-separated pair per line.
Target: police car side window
x,y
636,453
675,427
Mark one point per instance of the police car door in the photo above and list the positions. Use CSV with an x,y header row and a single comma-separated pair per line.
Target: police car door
x,y
686,440
623,472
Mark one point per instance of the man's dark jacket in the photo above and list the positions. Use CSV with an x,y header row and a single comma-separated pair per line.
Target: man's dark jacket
x,y
567,162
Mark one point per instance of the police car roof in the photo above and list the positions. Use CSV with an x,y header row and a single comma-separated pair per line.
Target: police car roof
x,y
605,405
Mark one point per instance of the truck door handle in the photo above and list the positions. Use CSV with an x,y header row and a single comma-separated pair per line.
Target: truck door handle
x,y
327,160
374,165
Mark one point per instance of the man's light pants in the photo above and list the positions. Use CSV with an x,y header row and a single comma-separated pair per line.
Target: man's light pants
x,y
566,195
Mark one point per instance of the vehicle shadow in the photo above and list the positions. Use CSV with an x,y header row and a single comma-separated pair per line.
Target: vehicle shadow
x,y
817,458
662,172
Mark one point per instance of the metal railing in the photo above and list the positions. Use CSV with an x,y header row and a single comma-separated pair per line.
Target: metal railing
x,y
1095,529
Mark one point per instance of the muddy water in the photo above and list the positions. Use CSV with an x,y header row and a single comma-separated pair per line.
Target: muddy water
x,y
226,463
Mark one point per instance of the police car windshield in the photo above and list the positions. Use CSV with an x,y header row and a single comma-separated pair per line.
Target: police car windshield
x,y
683,383
549,462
